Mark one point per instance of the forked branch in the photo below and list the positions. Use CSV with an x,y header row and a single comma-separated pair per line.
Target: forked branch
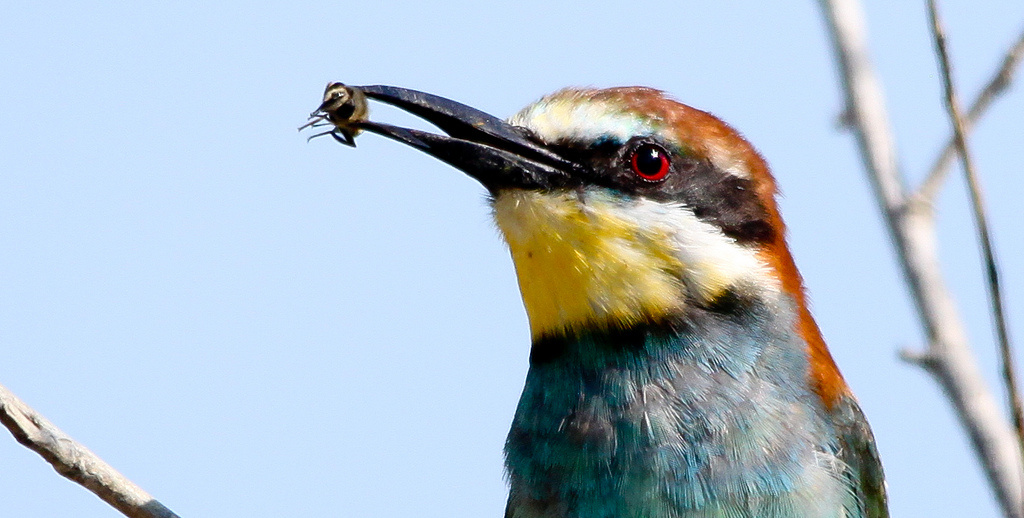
x,y
981,220
999,83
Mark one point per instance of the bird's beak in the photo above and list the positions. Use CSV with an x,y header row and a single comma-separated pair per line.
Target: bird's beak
x,y
497,154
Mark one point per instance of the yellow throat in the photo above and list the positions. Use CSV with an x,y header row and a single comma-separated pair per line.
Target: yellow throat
x,y
582,262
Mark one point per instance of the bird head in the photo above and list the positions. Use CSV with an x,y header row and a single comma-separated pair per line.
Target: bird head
x,y
621,207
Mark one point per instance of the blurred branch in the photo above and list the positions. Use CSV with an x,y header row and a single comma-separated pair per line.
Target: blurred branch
x,y
981,219
76,462
999,83
912,229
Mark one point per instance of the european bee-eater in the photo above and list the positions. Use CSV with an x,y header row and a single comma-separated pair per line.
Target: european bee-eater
x,y
675,369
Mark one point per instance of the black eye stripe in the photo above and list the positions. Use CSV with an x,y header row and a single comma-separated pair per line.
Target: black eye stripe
x,y
725,200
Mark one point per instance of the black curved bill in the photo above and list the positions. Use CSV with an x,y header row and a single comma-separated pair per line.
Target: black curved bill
x,y
497,154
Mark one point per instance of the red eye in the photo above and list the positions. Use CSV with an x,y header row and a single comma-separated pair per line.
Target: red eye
x,y
650,162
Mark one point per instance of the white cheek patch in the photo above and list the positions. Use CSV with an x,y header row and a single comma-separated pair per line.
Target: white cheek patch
x,y
712,262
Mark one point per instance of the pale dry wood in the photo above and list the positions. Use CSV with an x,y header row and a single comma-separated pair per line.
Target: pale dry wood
x,y
912,229
76,462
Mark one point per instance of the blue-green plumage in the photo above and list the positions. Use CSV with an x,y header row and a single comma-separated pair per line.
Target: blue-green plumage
x,y
707,414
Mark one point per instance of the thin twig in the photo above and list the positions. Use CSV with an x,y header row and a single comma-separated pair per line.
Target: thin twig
x,y
913,234
999,83
76,462
981,219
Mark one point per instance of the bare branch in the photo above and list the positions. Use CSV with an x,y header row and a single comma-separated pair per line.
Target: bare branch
x,y
76,462
999,83
912,230
920,358
978,207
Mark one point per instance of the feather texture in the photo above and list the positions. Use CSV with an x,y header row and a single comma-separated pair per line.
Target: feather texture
x,y
708,414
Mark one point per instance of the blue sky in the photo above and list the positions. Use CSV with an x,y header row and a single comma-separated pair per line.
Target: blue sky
x,y
249,325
